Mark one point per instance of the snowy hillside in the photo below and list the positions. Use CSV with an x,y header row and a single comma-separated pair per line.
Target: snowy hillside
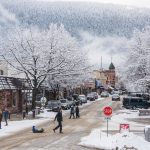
x,y
100,19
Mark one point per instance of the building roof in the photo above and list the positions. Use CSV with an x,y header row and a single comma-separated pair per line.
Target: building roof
x,y
111,66
7,83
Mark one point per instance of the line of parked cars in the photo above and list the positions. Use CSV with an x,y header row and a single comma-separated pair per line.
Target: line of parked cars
x,y
75,99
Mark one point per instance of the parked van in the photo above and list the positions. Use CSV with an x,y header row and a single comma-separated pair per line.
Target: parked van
x,y
135,102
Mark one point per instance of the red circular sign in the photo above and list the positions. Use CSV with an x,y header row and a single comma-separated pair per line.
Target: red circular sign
x,y
107,111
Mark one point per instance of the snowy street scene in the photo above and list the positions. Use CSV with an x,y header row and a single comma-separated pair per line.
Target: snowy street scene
x,y
74,75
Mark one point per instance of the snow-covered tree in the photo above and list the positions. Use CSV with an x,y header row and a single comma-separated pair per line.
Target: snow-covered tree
x,y
39,53
136,71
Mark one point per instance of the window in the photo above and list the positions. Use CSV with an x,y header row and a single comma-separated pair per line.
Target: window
x,y
1,72
14,98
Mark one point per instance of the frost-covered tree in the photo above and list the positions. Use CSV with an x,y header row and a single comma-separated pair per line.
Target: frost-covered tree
x,y
68,81
136,71
39,53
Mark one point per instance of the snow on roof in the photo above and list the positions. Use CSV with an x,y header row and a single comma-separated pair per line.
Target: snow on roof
x,y
13,83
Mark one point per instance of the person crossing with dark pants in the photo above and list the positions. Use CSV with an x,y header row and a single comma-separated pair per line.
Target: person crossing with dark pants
x,y
77,112
59,120
72,111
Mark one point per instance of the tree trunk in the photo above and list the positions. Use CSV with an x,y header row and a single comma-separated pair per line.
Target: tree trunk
x,y
34,94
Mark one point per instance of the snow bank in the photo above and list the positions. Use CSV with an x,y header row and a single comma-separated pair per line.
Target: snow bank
x,y
98,139
16,126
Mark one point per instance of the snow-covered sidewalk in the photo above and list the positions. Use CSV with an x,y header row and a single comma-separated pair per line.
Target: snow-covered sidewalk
x,y
16,126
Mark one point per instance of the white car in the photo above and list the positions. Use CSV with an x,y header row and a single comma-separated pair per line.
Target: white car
x,y
83,98
64,104
115,97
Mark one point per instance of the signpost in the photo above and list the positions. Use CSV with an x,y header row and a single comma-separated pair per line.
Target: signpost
x,y
107,112
43,101
124,127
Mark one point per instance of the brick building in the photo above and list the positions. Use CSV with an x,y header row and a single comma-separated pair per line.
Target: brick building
x,y
107,78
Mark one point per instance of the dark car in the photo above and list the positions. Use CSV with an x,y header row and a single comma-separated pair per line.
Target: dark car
x,y
95,94
115,97
53,105
135,102
91,97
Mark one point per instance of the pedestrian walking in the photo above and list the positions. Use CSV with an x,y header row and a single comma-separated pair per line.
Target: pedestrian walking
x,y
6,115
77,112
1,116
72,111
59,120
27,110
23,114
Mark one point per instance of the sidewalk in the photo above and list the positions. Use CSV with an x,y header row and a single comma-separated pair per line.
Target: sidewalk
x,y
16,123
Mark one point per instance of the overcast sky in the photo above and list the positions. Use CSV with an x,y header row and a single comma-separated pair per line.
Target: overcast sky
x,y
137,3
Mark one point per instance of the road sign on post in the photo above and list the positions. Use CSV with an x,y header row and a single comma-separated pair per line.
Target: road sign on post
x,y
107,112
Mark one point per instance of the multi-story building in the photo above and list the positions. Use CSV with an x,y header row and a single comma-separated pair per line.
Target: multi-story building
x,y
106,78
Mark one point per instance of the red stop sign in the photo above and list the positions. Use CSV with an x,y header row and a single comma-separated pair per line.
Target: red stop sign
x,y
107,111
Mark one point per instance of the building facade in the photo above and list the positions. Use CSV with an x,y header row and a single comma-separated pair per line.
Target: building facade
x,y
107,78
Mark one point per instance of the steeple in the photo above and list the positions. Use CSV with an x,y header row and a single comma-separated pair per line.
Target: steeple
x,y
111,66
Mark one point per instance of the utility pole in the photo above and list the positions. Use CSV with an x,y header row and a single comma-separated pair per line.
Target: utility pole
x,y
101,64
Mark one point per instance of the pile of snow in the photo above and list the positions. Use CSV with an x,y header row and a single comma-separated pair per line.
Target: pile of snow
x,y
98,139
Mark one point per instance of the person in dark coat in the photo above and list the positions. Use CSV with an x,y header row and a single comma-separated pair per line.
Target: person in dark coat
x,y
1,116
72,111
6,115
77,112
59,120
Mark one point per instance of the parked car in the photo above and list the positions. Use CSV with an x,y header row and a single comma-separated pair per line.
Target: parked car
x,y
53,105
104,94
115,97
91,97
95,94
70,101
135,102
64,104
115,92
75,96
76,99
83,98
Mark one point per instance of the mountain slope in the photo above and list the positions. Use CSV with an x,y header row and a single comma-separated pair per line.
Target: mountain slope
x,y
99,19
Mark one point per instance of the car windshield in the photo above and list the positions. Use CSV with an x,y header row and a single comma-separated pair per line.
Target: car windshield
x,y
54,104
115,95
63,101
104,92
94,93
81,96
